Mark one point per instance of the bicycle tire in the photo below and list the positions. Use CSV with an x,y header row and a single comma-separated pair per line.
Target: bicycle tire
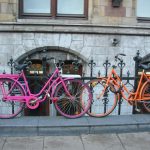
x,y
79,105
146,93
104,105
8,108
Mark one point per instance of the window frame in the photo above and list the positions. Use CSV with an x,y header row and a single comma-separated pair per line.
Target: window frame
x,y
141,18
53,14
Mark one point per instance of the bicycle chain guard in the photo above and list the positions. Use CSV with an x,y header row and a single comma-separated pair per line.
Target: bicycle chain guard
x,y
32,103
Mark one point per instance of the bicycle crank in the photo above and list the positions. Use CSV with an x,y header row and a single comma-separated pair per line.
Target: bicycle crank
x,y
32,103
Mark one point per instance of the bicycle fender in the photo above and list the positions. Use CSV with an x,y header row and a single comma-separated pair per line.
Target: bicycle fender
x,y
15,80
60,82
141,90
12,76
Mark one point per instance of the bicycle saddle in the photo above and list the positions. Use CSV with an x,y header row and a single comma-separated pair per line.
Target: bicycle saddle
x,y
20,67
145,67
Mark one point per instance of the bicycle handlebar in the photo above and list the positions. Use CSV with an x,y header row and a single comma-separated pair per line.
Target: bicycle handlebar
x,y
22,66
117,56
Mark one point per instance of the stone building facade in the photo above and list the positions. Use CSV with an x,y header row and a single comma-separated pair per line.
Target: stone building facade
x,y
76,38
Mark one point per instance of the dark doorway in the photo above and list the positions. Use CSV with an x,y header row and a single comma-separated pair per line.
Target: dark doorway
x,y
35,80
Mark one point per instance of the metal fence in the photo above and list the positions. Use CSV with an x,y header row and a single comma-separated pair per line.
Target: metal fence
x,y
131,81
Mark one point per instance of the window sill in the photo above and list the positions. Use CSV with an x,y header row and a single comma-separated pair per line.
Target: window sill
x,y
54,21
143,19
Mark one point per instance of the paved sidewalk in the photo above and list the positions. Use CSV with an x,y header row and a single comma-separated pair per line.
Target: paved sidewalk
x,y
122,141
47,126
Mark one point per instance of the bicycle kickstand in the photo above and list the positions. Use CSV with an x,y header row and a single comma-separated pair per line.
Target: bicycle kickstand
x,y
136,107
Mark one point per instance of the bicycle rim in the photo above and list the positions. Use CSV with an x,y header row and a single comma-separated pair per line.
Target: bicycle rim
x,y
80,102
8,108
146,94
104,105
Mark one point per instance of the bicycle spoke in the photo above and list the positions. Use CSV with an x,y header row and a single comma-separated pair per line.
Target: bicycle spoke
x,y
10,108
77,90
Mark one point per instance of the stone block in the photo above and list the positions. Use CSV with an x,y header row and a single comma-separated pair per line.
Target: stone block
x,y
11,38
86,52
29,44
7,17
100,20
24,143
18,51
13,1
101,142
65,40
114,20
28,36
128,21
132,41
6,49
63,143
3,58
42,39
135,141
96,40
115,12
96,2
127,3
103,2
76,45
4,1
77,37
129,12
2,141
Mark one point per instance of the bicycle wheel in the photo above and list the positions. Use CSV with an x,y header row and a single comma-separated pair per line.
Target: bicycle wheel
x,y
104,105
79,102
8,108
146,94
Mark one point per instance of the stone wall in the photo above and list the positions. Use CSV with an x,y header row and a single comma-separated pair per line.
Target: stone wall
x,y
84,46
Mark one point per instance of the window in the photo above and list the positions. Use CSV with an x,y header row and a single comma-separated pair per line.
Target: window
x,y
53,8
143,7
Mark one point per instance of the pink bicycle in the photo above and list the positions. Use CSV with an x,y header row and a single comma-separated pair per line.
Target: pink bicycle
x,y
71,97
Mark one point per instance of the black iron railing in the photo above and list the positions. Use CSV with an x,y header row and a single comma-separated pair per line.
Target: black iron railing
x,y
121,65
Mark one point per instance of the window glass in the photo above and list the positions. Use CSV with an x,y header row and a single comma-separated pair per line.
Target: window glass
x,y
70,7
143,8
36,6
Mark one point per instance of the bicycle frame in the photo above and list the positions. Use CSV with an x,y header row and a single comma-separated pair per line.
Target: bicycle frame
x,y
117,82
30,96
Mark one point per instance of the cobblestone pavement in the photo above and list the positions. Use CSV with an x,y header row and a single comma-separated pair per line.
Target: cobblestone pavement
x,y
121,141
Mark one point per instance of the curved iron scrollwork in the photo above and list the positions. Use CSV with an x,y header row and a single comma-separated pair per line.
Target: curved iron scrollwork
x,y
106,65
91,64
11,63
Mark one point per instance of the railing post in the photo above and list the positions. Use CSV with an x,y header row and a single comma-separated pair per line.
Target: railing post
x,y
44,62
121,65
11,64
91,64
106,65
137,60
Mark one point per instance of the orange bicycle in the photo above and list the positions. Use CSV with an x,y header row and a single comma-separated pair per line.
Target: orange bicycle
x,y
107,91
